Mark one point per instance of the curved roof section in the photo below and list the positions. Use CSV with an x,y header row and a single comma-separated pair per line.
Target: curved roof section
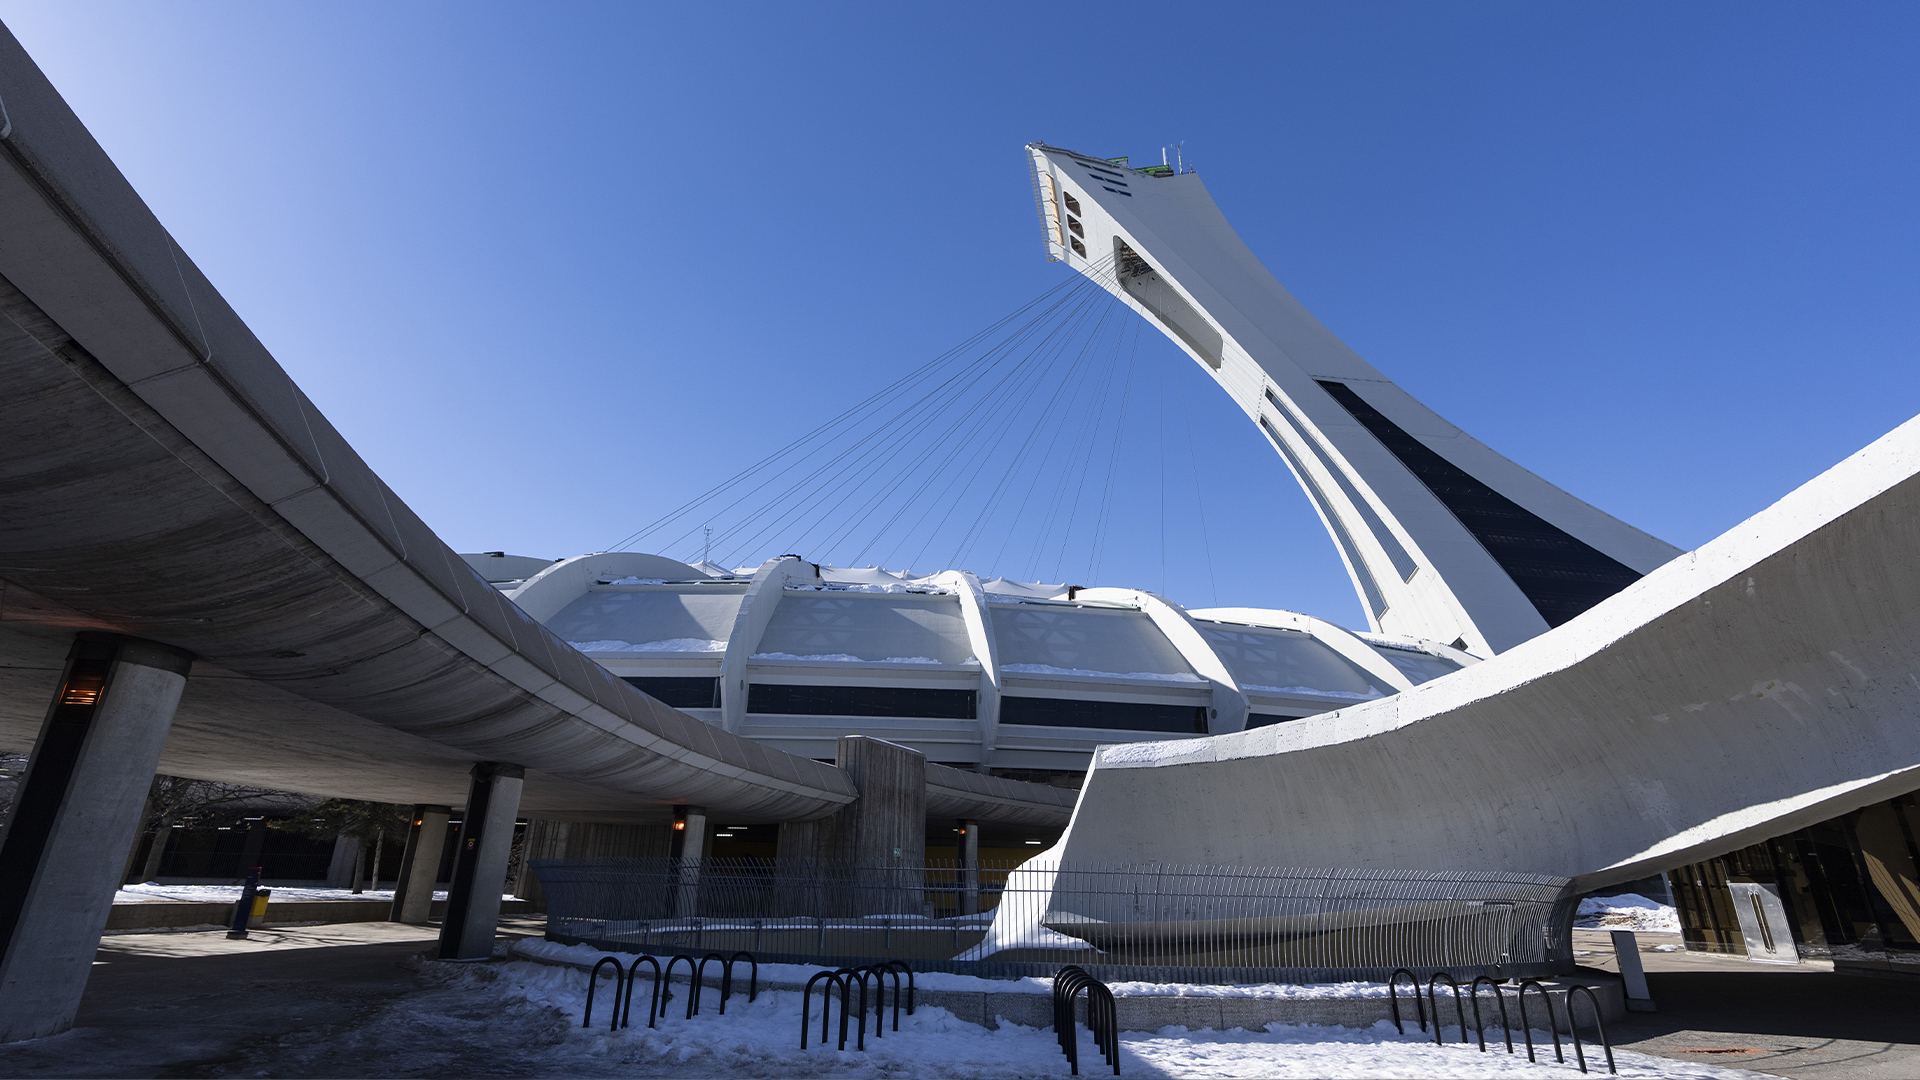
x,y
797,654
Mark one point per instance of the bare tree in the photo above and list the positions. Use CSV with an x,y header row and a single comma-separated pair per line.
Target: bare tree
x,y
177,800
368,822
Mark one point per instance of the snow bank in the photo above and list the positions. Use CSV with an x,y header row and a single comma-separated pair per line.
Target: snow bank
x,y
797,975
1628,911
227,894
761,1039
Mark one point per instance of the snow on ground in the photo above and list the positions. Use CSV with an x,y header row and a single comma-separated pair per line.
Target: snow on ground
x,y
797,975
761,1039
1628,911
227,894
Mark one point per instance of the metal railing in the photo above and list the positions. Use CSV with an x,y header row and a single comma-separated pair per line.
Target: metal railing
x,y
1160,923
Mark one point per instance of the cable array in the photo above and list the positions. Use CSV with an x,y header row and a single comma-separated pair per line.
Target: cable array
x,y
999,455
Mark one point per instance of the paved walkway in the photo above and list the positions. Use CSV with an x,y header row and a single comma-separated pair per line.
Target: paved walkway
x,y
300,1001
1803,1021
322,1001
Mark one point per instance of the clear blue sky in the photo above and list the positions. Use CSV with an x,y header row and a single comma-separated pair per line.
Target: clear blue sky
x,y
554,268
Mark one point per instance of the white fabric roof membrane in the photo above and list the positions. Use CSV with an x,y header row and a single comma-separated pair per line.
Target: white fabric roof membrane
x,y
863,627
610,618
869,579
1287,661
1002,589
1084,640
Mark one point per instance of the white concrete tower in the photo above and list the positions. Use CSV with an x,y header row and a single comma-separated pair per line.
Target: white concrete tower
x,y
1444,538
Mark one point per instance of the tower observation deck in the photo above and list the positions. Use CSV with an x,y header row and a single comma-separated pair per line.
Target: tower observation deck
x,y
1443,538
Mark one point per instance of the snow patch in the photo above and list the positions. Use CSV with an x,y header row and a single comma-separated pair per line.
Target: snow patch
x,y
1308,691
759,1039
1628,911
1049,669
843,658
674,645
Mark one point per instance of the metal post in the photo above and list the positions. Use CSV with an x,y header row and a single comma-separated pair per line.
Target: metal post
x,y
969,868
243,910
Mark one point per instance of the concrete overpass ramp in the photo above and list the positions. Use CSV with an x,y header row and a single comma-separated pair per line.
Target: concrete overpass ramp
x,y
1765,682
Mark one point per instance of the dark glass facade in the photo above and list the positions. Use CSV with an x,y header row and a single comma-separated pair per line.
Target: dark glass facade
x,y
679,693
1560,574
1849,885
786,700
1112,715
1263,719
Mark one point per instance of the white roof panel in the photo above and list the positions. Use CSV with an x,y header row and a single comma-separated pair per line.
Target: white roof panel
x,y
862,626
1287,662
695,619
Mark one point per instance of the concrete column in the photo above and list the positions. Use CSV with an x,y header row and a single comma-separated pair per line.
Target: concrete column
x,y
480,866
343,866
969,868
420,865
78,806
690,847
885,827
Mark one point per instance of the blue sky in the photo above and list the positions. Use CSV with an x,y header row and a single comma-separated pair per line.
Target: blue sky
x,y
554,269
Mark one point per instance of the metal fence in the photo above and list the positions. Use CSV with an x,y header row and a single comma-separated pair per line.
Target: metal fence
x,y
1161,923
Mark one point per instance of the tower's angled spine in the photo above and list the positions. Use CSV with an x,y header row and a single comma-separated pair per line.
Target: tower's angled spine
x,y
1444,538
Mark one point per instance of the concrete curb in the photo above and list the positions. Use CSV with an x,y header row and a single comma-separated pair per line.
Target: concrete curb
x,y
160,915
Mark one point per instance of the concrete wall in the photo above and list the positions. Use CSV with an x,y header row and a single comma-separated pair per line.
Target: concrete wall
x,y
1762,683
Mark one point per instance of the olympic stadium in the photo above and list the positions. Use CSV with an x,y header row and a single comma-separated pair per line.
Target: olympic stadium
x,y
1545,700
998,676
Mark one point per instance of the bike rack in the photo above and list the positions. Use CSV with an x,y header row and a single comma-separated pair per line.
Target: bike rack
x,y
1102,1017
833,979
1527,1028
1420,1009
619,991
693,994
1433,998
753,984
699,984
1597,1023
899,968
1473,991
653,1003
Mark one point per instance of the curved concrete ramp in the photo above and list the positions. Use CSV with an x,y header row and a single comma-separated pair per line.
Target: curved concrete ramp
x,y
1765,682
163,477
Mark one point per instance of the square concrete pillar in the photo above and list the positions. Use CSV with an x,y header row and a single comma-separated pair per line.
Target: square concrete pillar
x,y
480,865
420,865
78,806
